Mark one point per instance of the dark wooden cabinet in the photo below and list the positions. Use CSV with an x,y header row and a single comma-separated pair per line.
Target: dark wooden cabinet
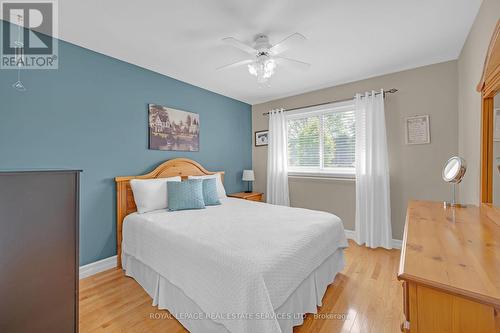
x,y
39,251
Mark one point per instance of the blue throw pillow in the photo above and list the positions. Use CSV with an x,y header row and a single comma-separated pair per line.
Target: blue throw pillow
x,y
210,195
187,194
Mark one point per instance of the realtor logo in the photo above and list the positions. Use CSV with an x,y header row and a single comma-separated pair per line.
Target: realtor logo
x,y
29,35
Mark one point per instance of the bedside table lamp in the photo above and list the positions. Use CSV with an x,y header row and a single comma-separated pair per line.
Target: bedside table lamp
x,y
248,176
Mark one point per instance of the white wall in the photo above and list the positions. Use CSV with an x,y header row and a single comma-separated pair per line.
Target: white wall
x,y
415,170
470,66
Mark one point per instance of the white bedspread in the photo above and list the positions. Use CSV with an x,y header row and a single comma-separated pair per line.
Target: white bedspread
x,y
238,261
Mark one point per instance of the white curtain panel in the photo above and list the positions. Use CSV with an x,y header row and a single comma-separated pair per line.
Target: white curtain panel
x,y
373,206
277,160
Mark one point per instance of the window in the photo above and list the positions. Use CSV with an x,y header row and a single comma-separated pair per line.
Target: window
x,y
321,140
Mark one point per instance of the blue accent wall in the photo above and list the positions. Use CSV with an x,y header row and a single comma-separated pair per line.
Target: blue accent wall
x,y
91,114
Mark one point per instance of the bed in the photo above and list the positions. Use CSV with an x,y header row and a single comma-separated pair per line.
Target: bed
x,y
242,266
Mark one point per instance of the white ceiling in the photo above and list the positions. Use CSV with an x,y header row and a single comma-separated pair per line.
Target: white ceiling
x,y
347,40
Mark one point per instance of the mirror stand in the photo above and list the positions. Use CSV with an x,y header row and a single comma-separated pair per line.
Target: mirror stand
x,y
453,202
453,172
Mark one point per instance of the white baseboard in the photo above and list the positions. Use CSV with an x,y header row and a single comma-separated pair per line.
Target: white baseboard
x,y
97,267
350,234
396,243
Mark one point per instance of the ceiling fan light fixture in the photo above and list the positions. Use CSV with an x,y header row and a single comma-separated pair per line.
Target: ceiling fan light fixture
x,y
263,69
252,69
264,57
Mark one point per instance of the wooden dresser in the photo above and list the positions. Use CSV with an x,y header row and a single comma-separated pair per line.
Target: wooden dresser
x,y
450,268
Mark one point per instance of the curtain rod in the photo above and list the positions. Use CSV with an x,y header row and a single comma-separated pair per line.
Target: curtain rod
x,y
390,91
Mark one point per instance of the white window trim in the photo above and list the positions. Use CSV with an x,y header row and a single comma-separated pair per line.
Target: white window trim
x,y
321,177
323,174
347,173
318,110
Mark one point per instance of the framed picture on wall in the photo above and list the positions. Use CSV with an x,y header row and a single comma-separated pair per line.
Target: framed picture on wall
x,y
417,130
171,129
261,138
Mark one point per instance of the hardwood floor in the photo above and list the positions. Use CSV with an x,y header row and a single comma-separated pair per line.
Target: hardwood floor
x,y
365,297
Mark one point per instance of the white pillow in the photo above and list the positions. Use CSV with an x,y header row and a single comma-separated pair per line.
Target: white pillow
x,y
221,191
151,194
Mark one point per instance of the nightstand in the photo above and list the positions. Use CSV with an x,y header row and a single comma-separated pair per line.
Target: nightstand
x,y
253,196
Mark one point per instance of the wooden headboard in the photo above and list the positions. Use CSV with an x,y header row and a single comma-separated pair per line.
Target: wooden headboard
x,y
125,203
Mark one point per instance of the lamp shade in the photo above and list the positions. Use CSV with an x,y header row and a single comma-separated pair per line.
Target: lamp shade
x,y
248,176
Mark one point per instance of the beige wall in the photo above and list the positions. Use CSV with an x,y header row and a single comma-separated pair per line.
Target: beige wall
x,y
470,66
415,170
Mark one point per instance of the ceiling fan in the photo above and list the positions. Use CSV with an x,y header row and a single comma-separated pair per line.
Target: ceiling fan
x,y
265,57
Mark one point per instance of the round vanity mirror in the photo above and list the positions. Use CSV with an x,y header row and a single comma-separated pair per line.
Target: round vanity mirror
x,y
453,172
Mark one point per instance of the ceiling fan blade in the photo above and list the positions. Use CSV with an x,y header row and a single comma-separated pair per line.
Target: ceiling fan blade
x,y
287,43
240,45
236,64
292,62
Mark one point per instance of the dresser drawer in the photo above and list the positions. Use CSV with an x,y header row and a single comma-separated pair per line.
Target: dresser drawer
x,y
431,310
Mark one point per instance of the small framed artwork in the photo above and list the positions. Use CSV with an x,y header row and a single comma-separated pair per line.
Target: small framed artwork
x,y
261,138
417,130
